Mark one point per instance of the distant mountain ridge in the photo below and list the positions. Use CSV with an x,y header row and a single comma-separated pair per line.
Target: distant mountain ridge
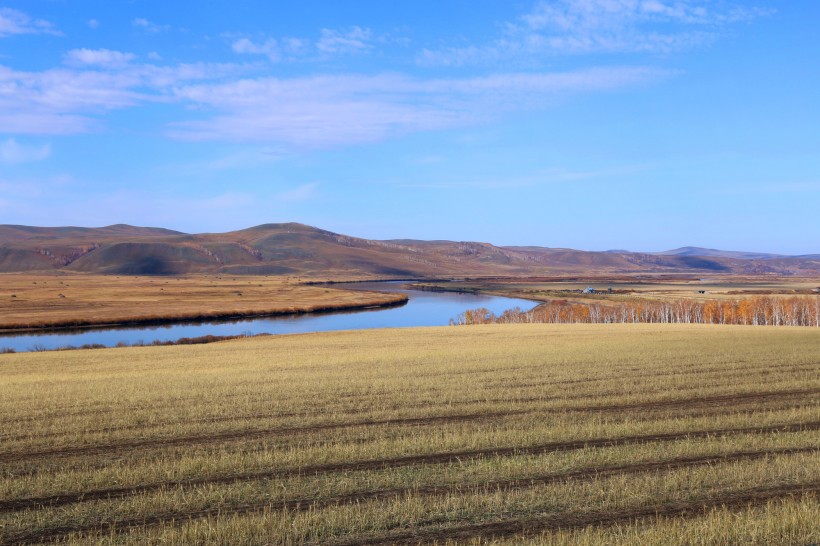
x,y
32,232
711,252
298,249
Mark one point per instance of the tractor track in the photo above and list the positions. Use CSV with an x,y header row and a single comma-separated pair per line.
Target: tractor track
x,y
387,463
252,434
391,493
533,526
429,405
64,413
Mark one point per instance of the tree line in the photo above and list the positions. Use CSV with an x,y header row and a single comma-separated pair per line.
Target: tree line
x,y
762,311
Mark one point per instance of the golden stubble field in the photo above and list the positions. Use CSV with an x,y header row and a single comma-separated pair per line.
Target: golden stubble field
x,y
502,434
36,301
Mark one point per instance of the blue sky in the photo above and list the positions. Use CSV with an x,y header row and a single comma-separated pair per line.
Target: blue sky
x,y
591,124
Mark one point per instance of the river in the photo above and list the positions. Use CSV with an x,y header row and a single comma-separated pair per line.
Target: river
x,y
423,308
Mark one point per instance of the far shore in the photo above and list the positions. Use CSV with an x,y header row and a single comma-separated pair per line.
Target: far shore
x,y
47,302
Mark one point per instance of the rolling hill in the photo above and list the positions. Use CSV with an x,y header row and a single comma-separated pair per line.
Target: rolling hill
x,y
297,249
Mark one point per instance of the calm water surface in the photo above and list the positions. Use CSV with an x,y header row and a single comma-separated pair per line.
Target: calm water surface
x,y
423,309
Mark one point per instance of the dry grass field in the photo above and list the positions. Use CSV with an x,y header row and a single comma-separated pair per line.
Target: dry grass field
x,y
499,434
626,288
39,300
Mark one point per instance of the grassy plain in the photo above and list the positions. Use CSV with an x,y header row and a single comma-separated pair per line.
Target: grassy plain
x,y
38,300
714,287
502,434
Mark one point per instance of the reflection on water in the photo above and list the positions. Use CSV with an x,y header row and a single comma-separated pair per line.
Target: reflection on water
x,y
423,309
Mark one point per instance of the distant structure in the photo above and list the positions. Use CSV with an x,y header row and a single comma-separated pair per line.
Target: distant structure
x,y
701,291
588,290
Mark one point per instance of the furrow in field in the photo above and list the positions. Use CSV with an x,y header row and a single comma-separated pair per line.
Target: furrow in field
x,y
64,413
681,403
521,400
697,401
386,463
217,437
643,375
533,526
390,493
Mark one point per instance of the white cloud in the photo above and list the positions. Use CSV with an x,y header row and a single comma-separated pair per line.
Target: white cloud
x,y
331,42
601,26
14,22
328,111
350,41
71,100
269,48
98,57
13,152
93,23
149,26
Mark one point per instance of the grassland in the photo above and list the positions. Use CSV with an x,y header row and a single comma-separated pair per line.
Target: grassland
x,y
29,301
615,289
502,434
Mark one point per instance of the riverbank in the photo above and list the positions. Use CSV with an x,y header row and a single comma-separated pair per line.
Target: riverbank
x,y
616,290
63,302
420,308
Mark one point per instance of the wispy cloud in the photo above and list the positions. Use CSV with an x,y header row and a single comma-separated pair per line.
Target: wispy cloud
x,y
329,43
13,152
14,22
348,41
328,111
98,57
306,112
149,26
601,26
72,100
269,48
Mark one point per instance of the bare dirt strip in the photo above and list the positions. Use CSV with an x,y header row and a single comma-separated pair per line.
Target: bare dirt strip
x,y
386,463
251,434
382,494
534,526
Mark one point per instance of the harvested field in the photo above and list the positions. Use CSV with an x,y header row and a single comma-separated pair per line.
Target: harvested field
x,y
502,434
34,301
